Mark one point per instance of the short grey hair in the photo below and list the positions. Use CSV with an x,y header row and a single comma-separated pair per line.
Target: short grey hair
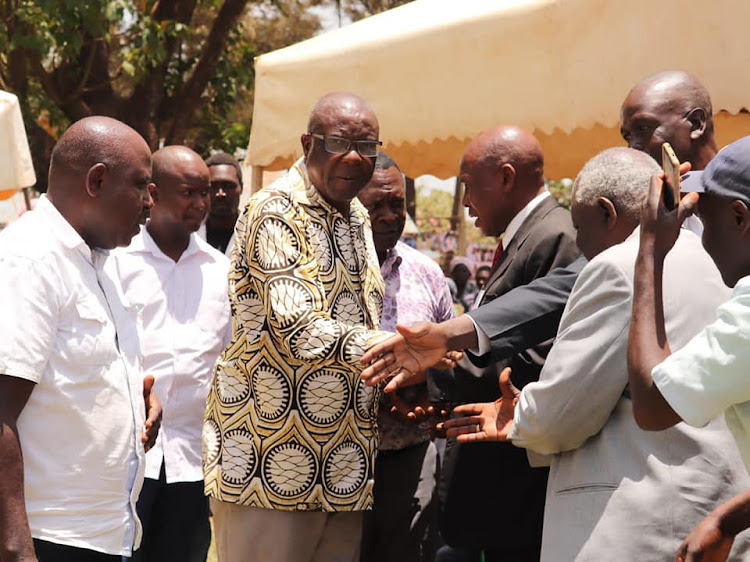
x,y
620,174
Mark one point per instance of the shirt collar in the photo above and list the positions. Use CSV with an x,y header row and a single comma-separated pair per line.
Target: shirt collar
x,y
521,216
144,242
64,232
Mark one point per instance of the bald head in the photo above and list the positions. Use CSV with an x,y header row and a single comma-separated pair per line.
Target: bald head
x,y
333,107
98,180
502,170
90,141
676,88
510,145
174,162
671,106
181,194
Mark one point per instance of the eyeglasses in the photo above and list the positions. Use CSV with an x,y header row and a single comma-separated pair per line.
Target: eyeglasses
x,y
338,145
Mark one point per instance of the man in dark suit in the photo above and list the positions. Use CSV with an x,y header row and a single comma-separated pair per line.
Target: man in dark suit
x,y
503,174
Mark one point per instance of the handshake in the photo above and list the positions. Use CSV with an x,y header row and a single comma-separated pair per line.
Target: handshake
x,y
403,359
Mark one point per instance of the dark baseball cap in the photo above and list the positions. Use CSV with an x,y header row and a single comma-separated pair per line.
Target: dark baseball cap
x,y
727,175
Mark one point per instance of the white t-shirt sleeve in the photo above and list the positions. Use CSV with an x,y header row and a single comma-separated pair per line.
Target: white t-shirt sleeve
x,y
710,374
28,317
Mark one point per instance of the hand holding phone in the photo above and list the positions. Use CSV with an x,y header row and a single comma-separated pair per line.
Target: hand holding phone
x,y
671,166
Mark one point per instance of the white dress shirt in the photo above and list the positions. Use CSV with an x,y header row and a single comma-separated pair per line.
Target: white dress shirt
x,y
186,322
65,327
710,374
483,340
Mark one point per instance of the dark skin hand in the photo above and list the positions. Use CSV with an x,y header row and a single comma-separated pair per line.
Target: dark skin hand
x,y
648,345
712,539
15,538
405,356
420,409
153,413
490,421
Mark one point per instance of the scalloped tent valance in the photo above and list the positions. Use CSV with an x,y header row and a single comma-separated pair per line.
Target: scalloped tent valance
x,y
438,72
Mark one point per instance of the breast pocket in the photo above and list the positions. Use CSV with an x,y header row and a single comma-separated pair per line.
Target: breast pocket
x,y
86,336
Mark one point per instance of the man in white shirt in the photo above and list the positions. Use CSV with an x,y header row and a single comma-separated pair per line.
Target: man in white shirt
x,y
709,375
71,387
178,282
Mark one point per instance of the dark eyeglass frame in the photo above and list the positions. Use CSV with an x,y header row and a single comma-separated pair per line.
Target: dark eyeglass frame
x,y
358,144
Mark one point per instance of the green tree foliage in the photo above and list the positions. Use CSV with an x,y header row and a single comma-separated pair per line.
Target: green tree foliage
x,y
178,71
358,9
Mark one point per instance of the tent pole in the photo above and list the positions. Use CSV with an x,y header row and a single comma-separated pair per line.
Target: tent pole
x,y
256,179
27,197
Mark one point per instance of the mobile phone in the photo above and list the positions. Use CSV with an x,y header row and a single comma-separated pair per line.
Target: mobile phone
x,y
671,166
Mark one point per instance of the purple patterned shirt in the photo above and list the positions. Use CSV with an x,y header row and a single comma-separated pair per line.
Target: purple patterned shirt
x,y
415,291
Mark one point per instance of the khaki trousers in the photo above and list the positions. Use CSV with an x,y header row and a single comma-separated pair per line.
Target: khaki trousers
x,y
251,534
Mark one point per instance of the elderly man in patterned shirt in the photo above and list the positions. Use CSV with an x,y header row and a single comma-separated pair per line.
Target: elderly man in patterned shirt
x,y
290,432
403,523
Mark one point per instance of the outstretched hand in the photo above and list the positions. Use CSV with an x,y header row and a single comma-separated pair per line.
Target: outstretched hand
x,y
660,227
489,421
406,355
153,413
706,543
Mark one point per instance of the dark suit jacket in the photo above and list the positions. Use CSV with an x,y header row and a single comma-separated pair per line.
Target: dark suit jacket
x,y
491,497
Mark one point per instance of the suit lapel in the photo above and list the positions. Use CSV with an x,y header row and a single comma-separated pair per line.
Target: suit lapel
x,y
509,253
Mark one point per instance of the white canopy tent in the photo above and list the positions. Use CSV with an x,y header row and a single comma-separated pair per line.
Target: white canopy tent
x,y
16,168
438,72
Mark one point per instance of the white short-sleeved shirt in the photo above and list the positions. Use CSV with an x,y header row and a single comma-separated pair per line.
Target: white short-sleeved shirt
x,y
64,326
185,323
711,374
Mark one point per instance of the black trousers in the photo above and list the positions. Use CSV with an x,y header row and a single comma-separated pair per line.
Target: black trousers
x,y
175,521
51,552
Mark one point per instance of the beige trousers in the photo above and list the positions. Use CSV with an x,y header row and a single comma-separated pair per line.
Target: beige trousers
x,y
251,534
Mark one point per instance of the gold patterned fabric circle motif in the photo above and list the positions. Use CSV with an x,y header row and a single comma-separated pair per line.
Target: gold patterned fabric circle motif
x,y
324,396
289,469
238,457
276,245
345,468
271,392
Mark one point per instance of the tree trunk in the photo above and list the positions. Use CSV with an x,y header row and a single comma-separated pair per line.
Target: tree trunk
x,y
189,99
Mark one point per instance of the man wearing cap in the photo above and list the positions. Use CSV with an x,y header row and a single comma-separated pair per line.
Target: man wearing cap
x,y
709,375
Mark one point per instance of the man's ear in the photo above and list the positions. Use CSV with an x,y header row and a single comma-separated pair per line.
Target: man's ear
x,y
508,176
741,216
153,189
306,141
95,179
698,122
608,211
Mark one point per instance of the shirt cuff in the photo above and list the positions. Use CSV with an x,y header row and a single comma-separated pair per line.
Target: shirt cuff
x,y
483,340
